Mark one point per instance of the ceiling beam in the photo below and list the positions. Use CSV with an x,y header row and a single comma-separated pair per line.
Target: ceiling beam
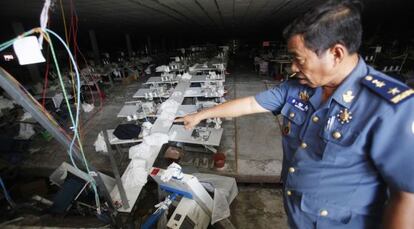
x,y
206,13
219,12
264,6
245,13
233,20
177,12
275,10
158,11
293,9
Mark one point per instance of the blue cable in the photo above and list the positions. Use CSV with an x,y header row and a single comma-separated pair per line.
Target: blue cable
x,y
6,194
76,134
74,122
152,219
75,127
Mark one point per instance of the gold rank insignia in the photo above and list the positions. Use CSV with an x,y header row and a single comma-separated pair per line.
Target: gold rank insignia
x,y
347,96
344,116
391,90
403,95
304,95
369,78
378,83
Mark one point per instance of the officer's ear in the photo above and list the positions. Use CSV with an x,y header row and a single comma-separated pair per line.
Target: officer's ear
x,y
338,52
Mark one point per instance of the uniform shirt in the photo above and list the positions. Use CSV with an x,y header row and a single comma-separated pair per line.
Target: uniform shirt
x,y
341,156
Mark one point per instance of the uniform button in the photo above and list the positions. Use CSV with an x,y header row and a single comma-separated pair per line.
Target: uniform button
x,y
315,119
292,170
291,115
303,145
323,213
337,135
289,193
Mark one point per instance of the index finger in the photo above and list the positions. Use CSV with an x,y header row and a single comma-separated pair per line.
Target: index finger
x,y
178,120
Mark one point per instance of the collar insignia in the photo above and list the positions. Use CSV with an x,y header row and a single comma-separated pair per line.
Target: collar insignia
x,y
304,95
347,96
344,116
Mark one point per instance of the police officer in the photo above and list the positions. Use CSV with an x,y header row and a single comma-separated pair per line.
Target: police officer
x,y
348,130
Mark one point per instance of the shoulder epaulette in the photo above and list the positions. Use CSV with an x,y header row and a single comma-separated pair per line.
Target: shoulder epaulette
x,y
391,91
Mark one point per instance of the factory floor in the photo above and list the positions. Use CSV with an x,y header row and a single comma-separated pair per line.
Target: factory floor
x,y
251,144
258,205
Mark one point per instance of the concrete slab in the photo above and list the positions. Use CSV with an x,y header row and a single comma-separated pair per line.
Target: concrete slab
x,y
258,207
258,137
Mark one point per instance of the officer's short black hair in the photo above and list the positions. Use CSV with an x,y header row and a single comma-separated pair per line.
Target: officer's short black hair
x,y
334,22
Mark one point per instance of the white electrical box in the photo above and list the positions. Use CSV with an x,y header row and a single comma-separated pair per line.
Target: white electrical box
x,y
188,214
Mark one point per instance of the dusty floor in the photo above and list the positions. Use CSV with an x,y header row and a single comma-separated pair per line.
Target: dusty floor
x,y
252,146
258,206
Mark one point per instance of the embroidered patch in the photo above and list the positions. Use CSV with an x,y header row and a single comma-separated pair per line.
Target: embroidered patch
x,y
303,106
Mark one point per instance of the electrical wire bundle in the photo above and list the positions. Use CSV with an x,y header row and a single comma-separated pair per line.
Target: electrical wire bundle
x,y
71,41
45,33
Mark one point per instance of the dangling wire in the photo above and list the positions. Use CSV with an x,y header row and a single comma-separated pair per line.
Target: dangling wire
x,y
67,43
6,194
73,34
44,19
46,79
76,120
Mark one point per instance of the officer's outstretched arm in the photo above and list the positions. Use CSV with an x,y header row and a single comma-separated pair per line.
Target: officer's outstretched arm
x,y
233,108
399,211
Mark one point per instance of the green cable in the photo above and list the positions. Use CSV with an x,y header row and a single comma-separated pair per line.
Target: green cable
x,y
7,44
73,122
64,94
67,102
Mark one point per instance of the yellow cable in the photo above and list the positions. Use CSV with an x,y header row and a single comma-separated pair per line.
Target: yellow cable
x,y
48,115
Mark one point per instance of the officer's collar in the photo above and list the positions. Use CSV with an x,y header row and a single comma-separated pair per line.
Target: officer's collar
x,y
316,98
349,88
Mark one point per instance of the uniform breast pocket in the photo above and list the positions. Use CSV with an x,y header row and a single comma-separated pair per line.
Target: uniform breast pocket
x,y
338,143
293,120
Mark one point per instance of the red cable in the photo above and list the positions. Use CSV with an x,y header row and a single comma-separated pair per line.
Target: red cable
x,y
46,81
74,33
74,30
77,49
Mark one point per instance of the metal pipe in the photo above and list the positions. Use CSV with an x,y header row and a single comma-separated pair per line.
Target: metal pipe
x,y
115,169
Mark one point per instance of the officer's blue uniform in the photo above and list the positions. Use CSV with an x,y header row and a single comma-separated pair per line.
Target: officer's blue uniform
x,y
341,156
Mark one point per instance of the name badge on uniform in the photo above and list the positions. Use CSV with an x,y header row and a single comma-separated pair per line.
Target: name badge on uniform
x,y
303,106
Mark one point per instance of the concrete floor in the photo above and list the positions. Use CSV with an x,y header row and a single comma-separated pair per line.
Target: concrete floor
x,y
252,145
258,206
258,137
260,155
